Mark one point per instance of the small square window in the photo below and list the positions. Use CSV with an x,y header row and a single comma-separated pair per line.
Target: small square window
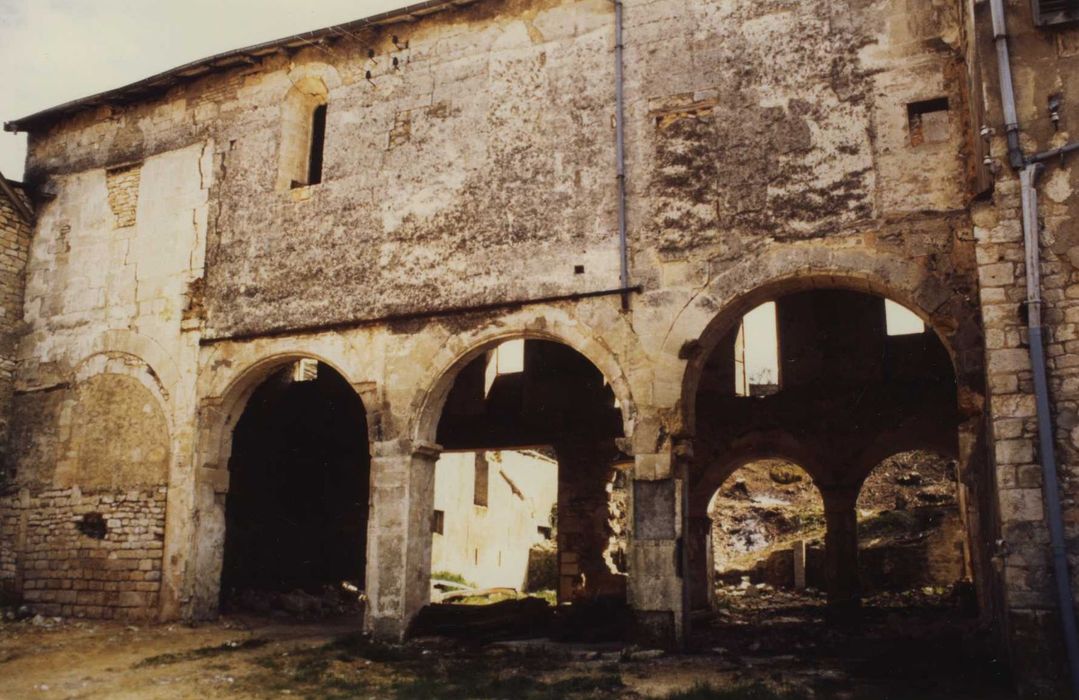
x,y
1050,12
928,121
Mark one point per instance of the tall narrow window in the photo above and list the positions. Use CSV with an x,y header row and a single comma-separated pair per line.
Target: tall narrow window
x,y
303,135
318,142
756,353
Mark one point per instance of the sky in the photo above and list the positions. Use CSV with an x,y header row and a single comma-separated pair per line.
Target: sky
x,y
54,51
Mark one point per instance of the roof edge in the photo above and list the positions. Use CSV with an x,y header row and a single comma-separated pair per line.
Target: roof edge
x,y
21,207
229,59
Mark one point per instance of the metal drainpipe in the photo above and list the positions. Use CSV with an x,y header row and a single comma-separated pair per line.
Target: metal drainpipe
x,y
1029,169
1028,177
620,149
1007,89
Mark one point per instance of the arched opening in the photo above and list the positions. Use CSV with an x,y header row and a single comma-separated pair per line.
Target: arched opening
x,y
837,381
767,532
530,491
297,507
911,539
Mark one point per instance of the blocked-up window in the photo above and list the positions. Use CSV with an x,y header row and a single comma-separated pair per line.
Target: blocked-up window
x,y
928,122
482,481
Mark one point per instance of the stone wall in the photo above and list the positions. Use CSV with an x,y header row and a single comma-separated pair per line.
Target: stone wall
x,y
1045,63
15,228
103,399
89,555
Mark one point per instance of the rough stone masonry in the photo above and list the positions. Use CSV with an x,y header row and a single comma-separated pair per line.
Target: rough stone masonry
x,y
194,233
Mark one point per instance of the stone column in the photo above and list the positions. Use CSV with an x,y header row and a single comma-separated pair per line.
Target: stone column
x,y
195,524
841,546
399,535
799,555
656,590
583,521
701,564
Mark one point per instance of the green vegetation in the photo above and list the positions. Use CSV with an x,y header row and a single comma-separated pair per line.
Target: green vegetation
x,y
452,578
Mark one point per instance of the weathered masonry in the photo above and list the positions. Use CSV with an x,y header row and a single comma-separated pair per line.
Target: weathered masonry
x,y
315,246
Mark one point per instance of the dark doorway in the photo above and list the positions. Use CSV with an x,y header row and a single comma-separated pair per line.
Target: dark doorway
x,y
296,513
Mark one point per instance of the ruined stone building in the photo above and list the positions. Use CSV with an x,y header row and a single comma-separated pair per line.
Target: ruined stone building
x,y
272,281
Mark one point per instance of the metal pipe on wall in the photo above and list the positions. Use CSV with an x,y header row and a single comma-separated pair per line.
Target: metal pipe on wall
x,y
1029,169
1046,449
620,148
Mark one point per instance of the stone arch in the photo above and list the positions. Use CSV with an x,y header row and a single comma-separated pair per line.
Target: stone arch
x,y
731,294
930,498
764,445
226,388
941,441
953,318
159,362
126,364
426,407
700,544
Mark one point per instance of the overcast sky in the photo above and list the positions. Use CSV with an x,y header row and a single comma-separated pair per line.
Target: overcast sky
x,y
53,51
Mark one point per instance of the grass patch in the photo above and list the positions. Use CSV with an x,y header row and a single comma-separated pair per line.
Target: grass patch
x,y
752,691
547,595
452,578
484,599
200,653
481,683
353,647
356,666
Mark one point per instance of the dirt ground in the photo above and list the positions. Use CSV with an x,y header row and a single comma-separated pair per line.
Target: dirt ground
x,y
761,646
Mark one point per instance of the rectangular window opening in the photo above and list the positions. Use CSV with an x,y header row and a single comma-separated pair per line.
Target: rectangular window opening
x,y
507,358
928,121
756,353
318,143
438,522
